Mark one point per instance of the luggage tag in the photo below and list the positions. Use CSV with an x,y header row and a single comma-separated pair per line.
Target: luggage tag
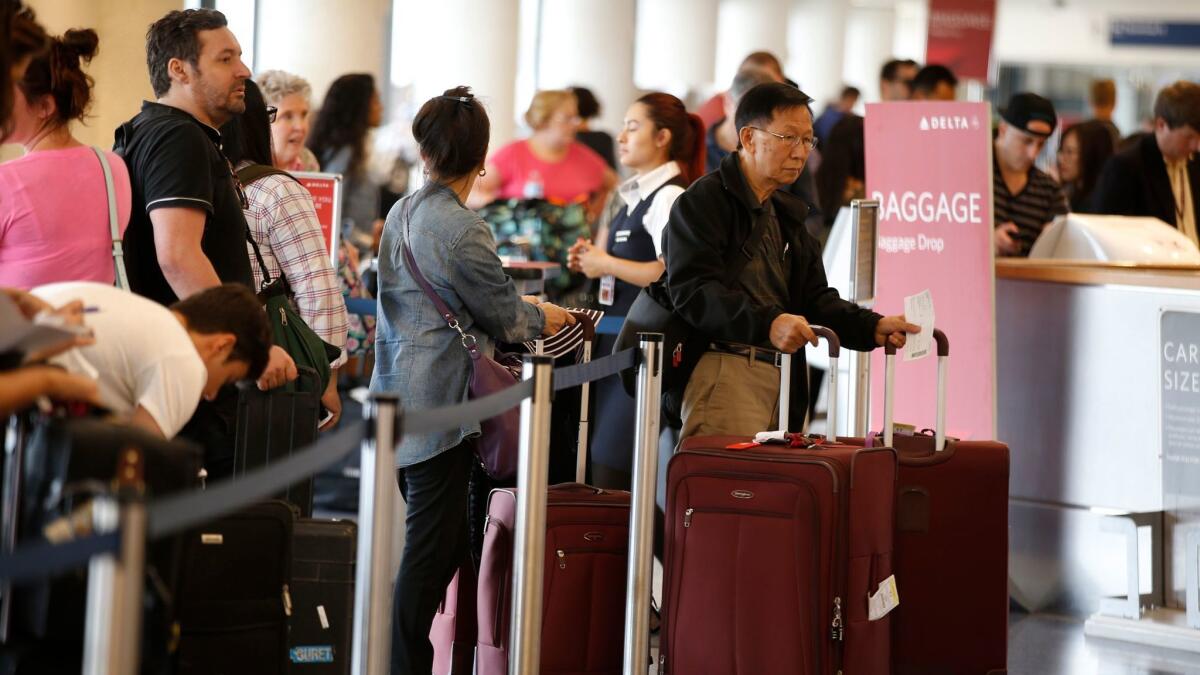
x,y
743,446
884,600
608,289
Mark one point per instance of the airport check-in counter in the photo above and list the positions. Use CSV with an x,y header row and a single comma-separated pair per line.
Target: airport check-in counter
x,y
1080,398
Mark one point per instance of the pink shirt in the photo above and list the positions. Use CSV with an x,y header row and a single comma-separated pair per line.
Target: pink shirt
x,y
571,180
54,217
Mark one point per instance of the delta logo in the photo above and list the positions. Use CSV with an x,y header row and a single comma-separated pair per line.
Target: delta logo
x,y
948,123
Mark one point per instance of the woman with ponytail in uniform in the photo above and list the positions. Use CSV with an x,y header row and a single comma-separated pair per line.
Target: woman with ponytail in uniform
x,y
664,146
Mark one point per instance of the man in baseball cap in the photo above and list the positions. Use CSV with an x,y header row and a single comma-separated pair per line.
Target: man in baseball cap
x,y
1026,199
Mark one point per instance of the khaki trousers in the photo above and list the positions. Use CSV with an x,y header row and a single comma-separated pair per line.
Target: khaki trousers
x,y
730,395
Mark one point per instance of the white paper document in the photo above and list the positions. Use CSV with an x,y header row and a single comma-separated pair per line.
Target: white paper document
x,y
883,600
18,334
918,309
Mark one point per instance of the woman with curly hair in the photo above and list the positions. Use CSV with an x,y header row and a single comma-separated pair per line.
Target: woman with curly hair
x,y
339,140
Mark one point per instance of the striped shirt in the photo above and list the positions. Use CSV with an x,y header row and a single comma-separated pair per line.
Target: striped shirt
x,y
1039,203
284,224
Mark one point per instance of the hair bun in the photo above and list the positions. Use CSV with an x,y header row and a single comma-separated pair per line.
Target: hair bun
x,y
460,93
82,42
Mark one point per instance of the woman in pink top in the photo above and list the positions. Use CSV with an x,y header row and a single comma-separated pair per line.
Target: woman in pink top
x,y
550,164
54,222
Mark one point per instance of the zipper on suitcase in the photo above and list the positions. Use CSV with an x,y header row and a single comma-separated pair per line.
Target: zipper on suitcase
x,y
561,554
838,633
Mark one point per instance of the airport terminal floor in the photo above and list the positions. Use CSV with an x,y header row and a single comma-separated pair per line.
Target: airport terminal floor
x,y
671,337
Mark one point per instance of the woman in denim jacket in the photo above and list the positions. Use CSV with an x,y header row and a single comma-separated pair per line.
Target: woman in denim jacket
x,y
422,360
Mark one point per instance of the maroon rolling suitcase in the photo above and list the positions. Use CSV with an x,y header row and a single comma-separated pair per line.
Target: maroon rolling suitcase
x,y
772,551
584,589
583,601
951,556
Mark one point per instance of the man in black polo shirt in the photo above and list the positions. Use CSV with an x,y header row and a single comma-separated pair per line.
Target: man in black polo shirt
x,y
1026,199
186,230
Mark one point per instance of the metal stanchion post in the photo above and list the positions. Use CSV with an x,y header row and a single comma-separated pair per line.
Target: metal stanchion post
x,y
371,649
113,629
14,448
641,518
529,548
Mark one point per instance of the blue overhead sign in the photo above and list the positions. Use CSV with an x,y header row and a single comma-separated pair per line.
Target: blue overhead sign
x,y
1143,33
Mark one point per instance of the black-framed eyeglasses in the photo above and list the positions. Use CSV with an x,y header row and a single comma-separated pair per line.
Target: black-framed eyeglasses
x,y
271,112
791,141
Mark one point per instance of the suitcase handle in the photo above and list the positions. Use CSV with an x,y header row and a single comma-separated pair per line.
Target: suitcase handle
x,y
589,326
889,390
577,487
581,442
785,378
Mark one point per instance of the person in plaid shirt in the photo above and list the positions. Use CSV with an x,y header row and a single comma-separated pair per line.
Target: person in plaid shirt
x,y
283,222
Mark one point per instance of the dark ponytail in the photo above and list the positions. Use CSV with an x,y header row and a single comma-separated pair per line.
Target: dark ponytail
x,y
59,73
687,132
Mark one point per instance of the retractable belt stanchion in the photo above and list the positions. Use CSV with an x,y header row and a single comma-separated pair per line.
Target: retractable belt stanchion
x,y
529,548
371,651
113,629
641,518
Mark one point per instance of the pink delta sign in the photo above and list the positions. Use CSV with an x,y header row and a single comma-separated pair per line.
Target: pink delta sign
x,y
929,165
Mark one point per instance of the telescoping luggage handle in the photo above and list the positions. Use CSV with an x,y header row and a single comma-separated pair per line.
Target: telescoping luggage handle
x,y
785,380
889,390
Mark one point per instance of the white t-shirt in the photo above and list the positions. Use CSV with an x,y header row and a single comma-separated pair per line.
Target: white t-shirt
x,y
142,354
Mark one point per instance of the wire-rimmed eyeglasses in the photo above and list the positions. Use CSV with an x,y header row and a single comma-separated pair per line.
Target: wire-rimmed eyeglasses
x,y
809,142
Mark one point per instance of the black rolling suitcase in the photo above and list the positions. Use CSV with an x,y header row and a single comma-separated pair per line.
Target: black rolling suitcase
x,y
234,595
54,463
271,425
322,589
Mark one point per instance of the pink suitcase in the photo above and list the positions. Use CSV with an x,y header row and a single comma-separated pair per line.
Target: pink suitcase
x,y
771,552
453,631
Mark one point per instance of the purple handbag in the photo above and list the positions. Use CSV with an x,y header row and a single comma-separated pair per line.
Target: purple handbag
x,y
498,445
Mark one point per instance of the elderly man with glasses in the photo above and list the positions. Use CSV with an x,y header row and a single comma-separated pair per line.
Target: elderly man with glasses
x,y
745,274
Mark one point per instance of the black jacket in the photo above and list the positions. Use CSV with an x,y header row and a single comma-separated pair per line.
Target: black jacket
x,y
1135,183
709,225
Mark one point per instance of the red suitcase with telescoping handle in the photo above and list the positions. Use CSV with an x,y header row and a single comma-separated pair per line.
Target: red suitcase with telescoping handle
x,y
772,551
587,538
583,597
951,556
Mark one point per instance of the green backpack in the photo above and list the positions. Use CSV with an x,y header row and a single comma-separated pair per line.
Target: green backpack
x,y
288,330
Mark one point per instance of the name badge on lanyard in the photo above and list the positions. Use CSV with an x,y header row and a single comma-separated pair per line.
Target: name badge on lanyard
x,y
608,289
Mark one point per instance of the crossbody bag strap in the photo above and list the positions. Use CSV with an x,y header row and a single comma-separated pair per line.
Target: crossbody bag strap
x,y
262,264
247,175
114,229
468,341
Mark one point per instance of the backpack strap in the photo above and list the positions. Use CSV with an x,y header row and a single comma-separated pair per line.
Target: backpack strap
x,y
247,175
252,172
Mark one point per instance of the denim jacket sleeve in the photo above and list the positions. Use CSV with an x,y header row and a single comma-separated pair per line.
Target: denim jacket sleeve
x,y
489,294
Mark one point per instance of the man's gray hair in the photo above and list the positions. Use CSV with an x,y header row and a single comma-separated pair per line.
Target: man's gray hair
x,y
278,84
747,79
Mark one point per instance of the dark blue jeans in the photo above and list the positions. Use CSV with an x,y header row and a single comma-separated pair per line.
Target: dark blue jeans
x,y
435,492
